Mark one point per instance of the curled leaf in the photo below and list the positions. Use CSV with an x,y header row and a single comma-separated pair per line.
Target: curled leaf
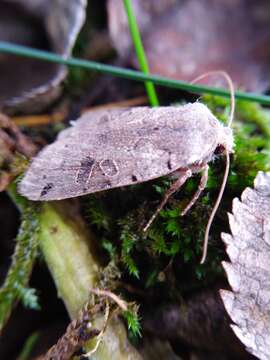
x,y
248,272
50,25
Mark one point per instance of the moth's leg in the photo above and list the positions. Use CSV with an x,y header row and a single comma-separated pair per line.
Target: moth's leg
x,y
183,176
201,187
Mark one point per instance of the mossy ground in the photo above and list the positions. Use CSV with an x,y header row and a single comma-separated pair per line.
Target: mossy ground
x,y
168,255
163,264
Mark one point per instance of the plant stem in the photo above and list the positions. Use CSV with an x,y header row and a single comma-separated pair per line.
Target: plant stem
x,y
135,34
64,242
9,48
68,249
28,346
67,246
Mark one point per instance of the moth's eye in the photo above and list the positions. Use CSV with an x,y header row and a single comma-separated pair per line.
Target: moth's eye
x,y
220,149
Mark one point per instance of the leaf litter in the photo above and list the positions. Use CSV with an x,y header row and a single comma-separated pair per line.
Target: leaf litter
x,y
248,248
184,39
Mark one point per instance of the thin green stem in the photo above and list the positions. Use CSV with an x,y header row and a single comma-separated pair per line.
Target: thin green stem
x,y
127,74
135,34
28,346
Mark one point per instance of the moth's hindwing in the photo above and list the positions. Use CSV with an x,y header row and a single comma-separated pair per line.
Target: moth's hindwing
x,y
108,149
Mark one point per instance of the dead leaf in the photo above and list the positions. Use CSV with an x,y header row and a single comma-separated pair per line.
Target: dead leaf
x,y
13,144
50,25
78,332
154,348
145,12
188,38
248,272
14,139
200,322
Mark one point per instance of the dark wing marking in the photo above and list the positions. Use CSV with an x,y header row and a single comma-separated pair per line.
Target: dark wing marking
x,y
120,147
85,170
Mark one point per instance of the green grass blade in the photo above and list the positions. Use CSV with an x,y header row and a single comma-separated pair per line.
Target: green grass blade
x,y
127,74
135,34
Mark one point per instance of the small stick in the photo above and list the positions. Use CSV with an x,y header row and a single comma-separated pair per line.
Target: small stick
x,y
46,119
100,292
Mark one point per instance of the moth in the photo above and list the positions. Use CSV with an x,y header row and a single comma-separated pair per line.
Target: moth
x,y
108,149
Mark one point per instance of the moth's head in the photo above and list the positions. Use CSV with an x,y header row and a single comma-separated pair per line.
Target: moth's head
x,y
225,141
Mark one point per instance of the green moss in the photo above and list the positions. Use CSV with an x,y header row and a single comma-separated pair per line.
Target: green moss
x,y
16,285
132,319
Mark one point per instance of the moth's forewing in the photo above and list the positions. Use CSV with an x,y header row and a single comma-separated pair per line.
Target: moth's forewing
x,y
108,149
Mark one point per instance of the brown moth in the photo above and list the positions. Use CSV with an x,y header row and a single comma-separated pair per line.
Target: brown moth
x,y
108,149
104,150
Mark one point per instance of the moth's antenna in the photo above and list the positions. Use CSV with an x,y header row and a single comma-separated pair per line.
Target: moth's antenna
x,y
227,169
230,85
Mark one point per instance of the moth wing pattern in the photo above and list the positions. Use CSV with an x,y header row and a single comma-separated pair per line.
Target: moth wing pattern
x,y
108,149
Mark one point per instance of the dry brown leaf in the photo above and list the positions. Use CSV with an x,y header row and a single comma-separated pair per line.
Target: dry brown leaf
x,y
184,39
51,25
13,144
200,321
145,11
249,270
78,332
154,348
12,140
